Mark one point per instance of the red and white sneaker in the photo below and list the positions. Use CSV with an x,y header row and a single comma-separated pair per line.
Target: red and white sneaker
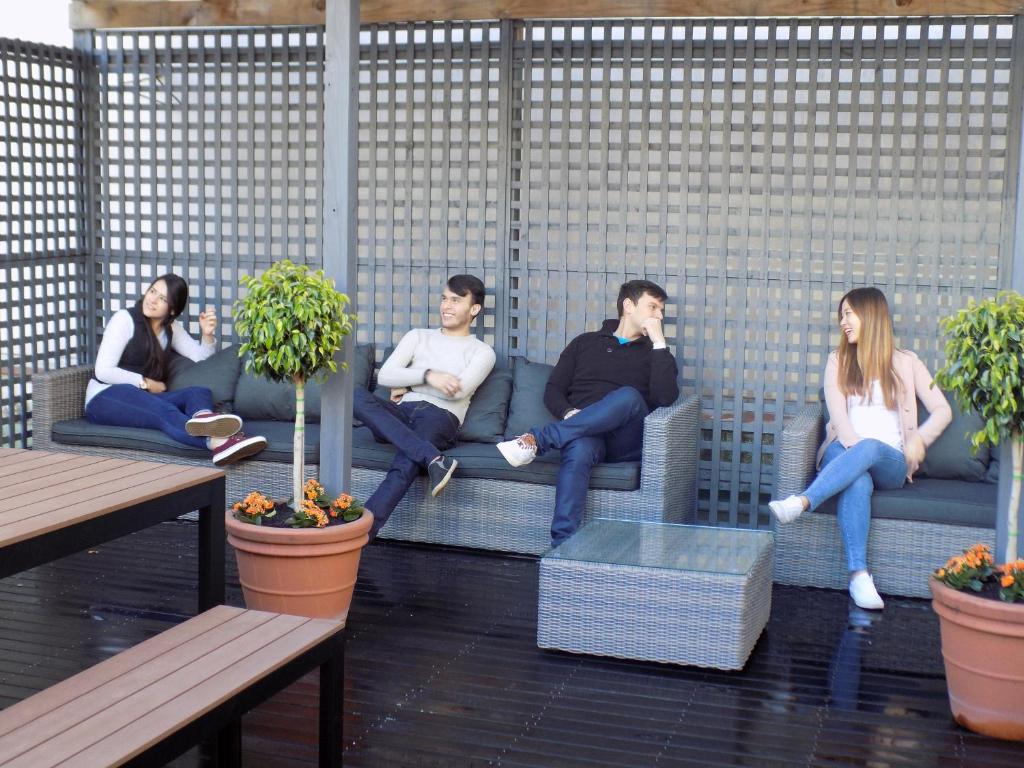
x,y
210,424
237,447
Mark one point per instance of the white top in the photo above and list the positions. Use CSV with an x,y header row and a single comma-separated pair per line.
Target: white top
x,y
423,349
871,419
116,336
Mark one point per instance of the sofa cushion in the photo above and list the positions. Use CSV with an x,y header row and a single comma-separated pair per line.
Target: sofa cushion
x,y
992,476
278,434
218,373
488,410
950,457
479,460
933,500
257,397
526,408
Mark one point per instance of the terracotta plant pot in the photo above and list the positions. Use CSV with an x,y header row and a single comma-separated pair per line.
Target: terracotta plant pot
x,y
301,571
983,647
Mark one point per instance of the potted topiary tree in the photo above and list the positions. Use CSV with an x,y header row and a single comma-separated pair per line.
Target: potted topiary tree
x,y
983,639
299,558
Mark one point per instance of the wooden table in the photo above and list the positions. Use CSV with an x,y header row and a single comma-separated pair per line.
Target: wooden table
x,y
56,504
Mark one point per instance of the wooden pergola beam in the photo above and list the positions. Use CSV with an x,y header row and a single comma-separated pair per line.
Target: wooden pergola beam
x,y
137,14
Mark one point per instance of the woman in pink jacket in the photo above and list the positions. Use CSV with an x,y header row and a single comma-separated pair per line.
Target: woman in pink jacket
x,y
872,439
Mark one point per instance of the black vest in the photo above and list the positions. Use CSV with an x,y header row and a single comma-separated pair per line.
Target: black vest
x,y
136,352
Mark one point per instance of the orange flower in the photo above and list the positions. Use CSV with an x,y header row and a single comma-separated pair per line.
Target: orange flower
x,y
1007,580
941,573
344,501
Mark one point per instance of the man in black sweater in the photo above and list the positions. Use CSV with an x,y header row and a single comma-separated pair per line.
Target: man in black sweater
x,y
604,385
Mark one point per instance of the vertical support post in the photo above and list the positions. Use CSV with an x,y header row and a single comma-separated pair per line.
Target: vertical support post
x,y
1013,266
87,104
502,280
341,111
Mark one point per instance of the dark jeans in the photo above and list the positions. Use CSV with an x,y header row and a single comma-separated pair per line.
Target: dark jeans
x,y
420,431
122,405
612,429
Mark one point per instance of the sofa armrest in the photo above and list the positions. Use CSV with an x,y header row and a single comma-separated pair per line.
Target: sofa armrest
x,y
668,473
797,451
57,395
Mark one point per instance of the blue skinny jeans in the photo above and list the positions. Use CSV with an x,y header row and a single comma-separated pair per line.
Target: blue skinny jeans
x,y
854,473
122,405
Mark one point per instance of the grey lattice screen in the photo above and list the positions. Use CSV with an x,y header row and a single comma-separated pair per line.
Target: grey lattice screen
x,y
208,158
758,169
430,197
42,263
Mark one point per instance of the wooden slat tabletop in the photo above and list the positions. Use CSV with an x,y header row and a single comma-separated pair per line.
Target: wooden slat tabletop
x,y
122,706
44,491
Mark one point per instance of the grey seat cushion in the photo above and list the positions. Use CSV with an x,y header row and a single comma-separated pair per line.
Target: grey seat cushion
x,y
934,500
478,460
526,409
260,398
488,410
950,456
218,373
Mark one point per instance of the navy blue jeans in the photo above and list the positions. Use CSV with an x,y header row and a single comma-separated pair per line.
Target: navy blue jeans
x,y
612,429
420,431
122,405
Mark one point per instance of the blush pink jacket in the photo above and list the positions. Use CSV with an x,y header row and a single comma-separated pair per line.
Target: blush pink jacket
x,y
916,383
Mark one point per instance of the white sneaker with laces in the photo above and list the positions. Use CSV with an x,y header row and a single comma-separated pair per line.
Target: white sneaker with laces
x,y
787,510
864,594
518,452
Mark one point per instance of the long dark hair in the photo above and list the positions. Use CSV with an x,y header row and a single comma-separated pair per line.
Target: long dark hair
x,y
177,300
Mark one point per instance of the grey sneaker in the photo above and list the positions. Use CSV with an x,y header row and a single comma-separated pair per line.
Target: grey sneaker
x,y
440,472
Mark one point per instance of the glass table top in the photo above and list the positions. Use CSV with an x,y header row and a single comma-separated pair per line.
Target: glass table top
x,y
664,545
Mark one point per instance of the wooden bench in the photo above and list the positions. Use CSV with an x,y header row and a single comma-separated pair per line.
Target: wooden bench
x,y
188,685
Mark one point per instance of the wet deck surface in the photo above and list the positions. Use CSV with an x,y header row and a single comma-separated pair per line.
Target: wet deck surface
x,y
443,670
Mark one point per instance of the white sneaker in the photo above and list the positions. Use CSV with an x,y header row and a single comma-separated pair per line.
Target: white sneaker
x,y
787,510
864,594
518,452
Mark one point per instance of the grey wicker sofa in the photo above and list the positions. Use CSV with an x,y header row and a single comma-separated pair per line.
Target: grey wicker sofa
x,y
488,505
913,530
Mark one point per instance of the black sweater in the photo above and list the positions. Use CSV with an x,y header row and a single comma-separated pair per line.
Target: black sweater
x,y
595,364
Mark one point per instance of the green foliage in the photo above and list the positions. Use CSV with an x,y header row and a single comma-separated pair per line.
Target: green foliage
x,y
293,320
984,355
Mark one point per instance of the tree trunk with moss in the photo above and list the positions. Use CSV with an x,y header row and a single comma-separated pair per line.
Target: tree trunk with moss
x,y
299,441
1012,513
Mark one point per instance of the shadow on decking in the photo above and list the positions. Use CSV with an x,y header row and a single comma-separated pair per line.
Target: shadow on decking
x,y
443,670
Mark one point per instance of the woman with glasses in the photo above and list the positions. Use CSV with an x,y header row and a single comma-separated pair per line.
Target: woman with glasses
x,y
129,388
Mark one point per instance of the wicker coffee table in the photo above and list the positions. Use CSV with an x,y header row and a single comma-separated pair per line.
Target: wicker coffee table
x,y
683,594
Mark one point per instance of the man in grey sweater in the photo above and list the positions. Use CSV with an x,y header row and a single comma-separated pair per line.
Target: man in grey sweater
x,y
433,374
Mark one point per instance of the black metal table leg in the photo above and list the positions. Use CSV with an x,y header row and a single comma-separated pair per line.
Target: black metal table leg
x,y
211,548
332,709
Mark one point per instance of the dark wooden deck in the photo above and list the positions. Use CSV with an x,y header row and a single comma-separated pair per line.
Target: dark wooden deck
x,y
443,670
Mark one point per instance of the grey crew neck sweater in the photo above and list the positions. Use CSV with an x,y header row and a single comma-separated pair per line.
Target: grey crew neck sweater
x,y
423,349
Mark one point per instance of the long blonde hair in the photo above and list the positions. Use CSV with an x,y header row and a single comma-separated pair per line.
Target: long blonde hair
x,y
871,357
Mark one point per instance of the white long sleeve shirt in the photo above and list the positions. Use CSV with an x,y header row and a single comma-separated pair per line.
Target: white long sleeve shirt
x,y
116,336
422,349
